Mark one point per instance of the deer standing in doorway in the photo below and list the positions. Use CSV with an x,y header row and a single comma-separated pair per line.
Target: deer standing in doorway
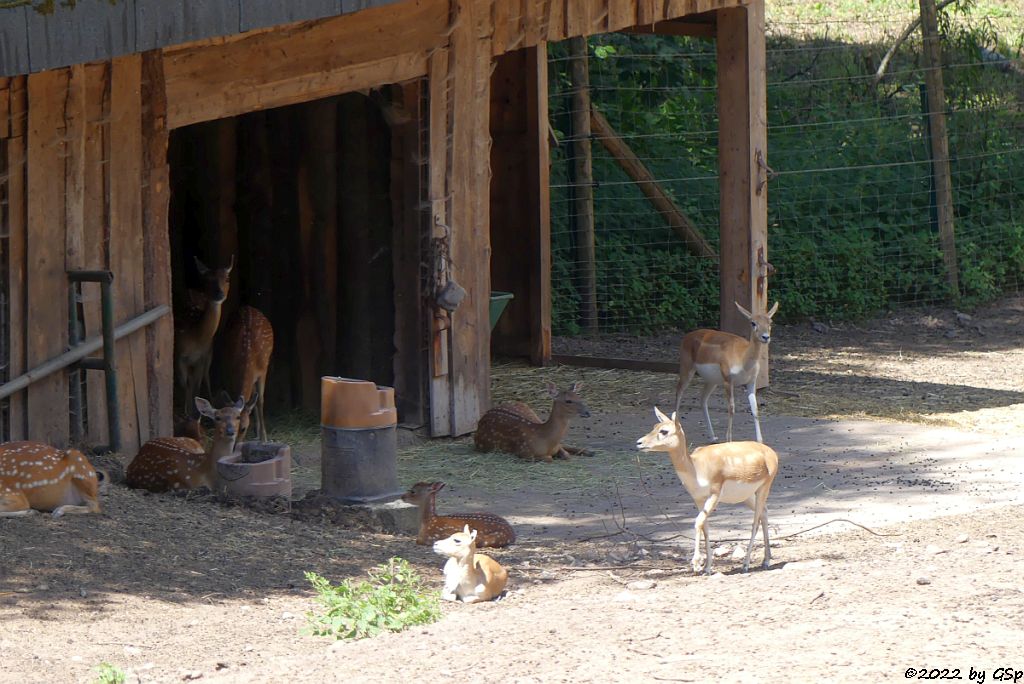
x,y
195,327
248,343
727,360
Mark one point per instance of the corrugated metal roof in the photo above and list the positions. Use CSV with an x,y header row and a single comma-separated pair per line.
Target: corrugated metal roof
x,y
95,29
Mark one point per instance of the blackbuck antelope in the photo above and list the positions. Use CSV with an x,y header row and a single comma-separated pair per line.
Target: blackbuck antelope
x,y
514,427
731,472
469,576
724,359
178,463
39,477
195,327
247,345
492,530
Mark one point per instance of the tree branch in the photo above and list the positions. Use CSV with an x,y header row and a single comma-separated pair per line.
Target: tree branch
x,y
911,27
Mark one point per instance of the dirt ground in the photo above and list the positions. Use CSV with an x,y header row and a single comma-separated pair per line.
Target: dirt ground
x,y
179,588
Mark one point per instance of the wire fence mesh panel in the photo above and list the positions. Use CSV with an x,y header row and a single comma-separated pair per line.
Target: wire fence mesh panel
x,y
853,222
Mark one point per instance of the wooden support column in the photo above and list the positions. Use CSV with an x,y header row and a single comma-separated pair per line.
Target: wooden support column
x,y
582,179
742,147
17,217
939,141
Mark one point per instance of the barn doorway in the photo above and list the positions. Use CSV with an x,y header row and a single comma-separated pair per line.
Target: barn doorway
x,y
313,202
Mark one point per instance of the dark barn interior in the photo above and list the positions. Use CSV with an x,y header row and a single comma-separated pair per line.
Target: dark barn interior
x,y
302,196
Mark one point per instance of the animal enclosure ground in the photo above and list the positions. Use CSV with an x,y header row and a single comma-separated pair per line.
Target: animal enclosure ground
x,y
174,588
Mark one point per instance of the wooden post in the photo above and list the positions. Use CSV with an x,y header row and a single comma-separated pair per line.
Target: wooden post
x,y
742,146
939,140
539,182
583,185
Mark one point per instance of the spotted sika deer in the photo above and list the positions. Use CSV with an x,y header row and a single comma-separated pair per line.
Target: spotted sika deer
x,y
469,576
248,343
38,477
727,360
178,463
492,530
731,472
195,327
514,427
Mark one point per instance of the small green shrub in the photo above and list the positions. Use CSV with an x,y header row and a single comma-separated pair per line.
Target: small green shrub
x,y
393,599
109,674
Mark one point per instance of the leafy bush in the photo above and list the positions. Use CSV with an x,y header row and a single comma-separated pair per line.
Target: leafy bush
x,y
109,674
393,599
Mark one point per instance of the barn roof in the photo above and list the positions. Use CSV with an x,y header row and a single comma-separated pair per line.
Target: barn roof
x,y
31,41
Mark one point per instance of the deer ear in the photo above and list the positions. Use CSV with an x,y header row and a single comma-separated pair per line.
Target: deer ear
x,y
205,408
659,415
252,400
437,486
240,404
231,264
552,389
674,418
472,534
743,311
203,270
465,530
771,311
577,387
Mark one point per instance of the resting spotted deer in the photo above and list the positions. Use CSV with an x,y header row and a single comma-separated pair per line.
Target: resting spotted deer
x,y
195,327
247,345
731,472
179,463
469,576
727,360
515,428
492,530
39,477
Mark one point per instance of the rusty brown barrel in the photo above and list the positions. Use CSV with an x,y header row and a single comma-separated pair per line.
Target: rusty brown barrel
x,y
358,459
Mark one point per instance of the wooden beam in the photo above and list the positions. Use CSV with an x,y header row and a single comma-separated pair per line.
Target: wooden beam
x,y
621,14
157,246
17,217
303,62
538,171
582,180
649,186
46,282
437,193
74,168
742,145
676,28
5,107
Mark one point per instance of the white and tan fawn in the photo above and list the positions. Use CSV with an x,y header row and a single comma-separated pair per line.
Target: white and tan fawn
x,y
194,329
469,576
39,477
248,343
514,427
492,530
731,472
726,360
179,463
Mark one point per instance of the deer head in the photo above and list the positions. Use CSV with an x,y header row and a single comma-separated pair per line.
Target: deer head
x,y
760,324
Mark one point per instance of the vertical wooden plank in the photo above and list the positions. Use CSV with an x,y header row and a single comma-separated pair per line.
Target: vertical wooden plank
x,y
577,18
533,22
539,203
5,107
96,232
126,244
74,168
621,14
157,245
439,150
502,25
645,12
46,282
742,137
17,244
556,19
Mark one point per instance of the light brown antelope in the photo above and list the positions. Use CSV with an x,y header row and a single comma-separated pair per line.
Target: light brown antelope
x,y
469,576
178,463
731,472
195,327
492,530
727,360
247,345
38,477
514,427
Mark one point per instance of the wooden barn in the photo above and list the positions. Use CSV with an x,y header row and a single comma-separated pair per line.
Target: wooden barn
x,y
348,157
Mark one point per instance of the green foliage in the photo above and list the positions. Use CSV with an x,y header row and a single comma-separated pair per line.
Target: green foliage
x,y
109,674
393,599
852,226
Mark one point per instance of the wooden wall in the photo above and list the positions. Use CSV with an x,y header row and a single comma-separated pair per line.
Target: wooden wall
x,y
83,158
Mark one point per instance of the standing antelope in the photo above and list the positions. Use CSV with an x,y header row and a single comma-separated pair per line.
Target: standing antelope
x,y
516,429
39,477
721,358
195,327
167,463
469,576
492,530
732,472
247,345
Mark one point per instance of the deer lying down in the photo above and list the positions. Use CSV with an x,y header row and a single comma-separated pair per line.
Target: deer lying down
x,y
731,472
514,428
469,576
492,530
38,477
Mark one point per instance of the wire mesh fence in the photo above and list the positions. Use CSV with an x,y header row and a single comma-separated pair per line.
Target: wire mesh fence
x,y
852,225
